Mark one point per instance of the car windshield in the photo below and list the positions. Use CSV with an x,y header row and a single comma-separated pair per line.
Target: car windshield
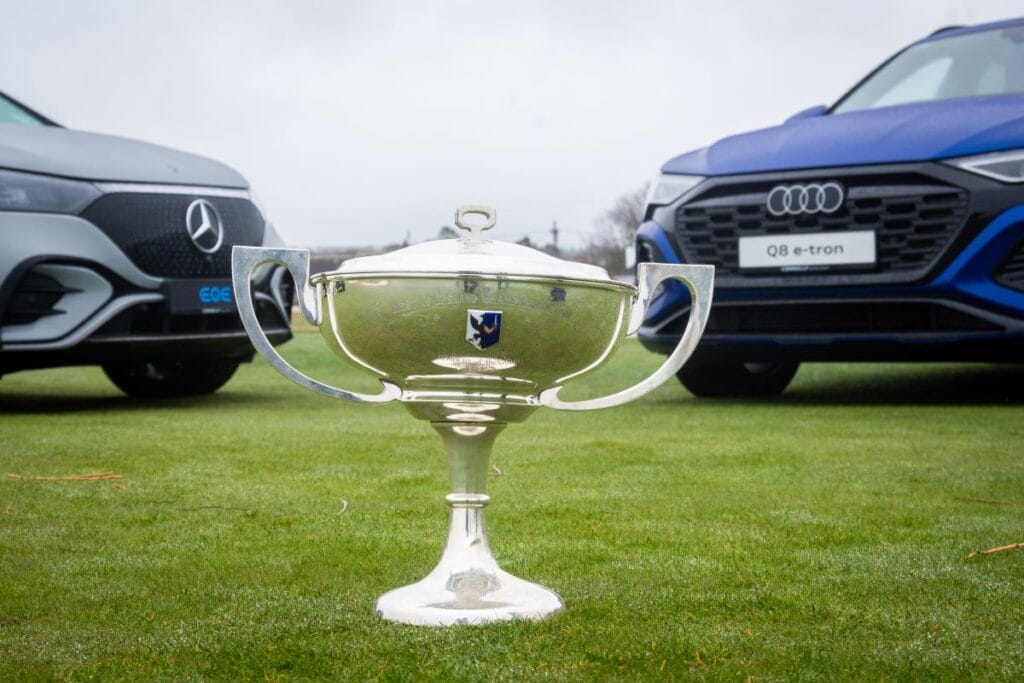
x,y
11,112
969,65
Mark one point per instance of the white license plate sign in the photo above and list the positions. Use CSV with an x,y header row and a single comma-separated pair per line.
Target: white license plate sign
x,y
817,249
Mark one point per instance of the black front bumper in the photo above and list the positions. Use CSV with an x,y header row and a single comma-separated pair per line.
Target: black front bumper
x,y
157,330
847,329
226,346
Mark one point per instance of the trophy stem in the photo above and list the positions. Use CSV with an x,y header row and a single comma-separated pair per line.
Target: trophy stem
x,y
468,447
467,586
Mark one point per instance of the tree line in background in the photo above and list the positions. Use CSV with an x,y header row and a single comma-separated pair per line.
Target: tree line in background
x,y
615,230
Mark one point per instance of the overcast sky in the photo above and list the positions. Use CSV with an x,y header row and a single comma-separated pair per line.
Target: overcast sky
x,y
360,122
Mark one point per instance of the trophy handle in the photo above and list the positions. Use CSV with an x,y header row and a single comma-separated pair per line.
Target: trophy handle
x,y
244,260
700,280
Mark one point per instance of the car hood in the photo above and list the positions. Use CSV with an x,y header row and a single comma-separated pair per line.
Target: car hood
x,y
916,132
92,156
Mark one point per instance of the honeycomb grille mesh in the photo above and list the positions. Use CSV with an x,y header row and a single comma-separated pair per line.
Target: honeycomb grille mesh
x,y
150,229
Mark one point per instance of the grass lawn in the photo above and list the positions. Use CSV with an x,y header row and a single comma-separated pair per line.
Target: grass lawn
x,y
820,536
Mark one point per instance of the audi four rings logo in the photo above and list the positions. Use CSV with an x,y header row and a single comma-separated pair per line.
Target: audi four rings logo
x,y
204,226
813,198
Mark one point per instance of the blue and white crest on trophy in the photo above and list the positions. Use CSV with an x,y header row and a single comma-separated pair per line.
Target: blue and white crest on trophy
x,y
483,328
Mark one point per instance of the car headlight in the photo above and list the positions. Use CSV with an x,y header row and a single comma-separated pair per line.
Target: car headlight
x,y
32,192
669,187
1005,166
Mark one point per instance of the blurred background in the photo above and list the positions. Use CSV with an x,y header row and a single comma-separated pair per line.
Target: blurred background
x,y
367,123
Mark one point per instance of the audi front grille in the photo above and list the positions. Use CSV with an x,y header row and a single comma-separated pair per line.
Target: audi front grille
x,y
915,218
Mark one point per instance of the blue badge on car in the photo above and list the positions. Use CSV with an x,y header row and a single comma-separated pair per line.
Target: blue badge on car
x,y
483,328
212,294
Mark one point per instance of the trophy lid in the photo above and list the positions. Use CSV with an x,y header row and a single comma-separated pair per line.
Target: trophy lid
x,y
473,254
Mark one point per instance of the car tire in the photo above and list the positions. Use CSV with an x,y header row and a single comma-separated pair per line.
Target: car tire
x,y
170,378
737,379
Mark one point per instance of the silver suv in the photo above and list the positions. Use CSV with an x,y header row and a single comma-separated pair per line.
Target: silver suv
x,y
117,253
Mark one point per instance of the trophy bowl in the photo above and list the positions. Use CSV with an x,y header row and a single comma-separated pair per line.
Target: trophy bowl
x,y
471,334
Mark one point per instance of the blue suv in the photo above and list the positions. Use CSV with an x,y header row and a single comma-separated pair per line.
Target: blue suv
x,y
887,227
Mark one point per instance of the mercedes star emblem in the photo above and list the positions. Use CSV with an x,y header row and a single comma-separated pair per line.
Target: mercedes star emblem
x,y
204,227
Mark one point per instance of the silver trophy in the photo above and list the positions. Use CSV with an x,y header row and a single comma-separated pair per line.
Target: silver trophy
x,y
471,334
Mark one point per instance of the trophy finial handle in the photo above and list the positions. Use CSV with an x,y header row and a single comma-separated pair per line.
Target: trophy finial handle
x,y
475,229
700,280
245,260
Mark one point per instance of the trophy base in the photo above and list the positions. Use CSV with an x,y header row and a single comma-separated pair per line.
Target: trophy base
x,y
467,586
471,597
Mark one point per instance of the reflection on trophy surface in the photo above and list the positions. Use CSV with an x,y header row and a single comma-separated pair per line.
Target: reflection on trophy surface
x,y
471,334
